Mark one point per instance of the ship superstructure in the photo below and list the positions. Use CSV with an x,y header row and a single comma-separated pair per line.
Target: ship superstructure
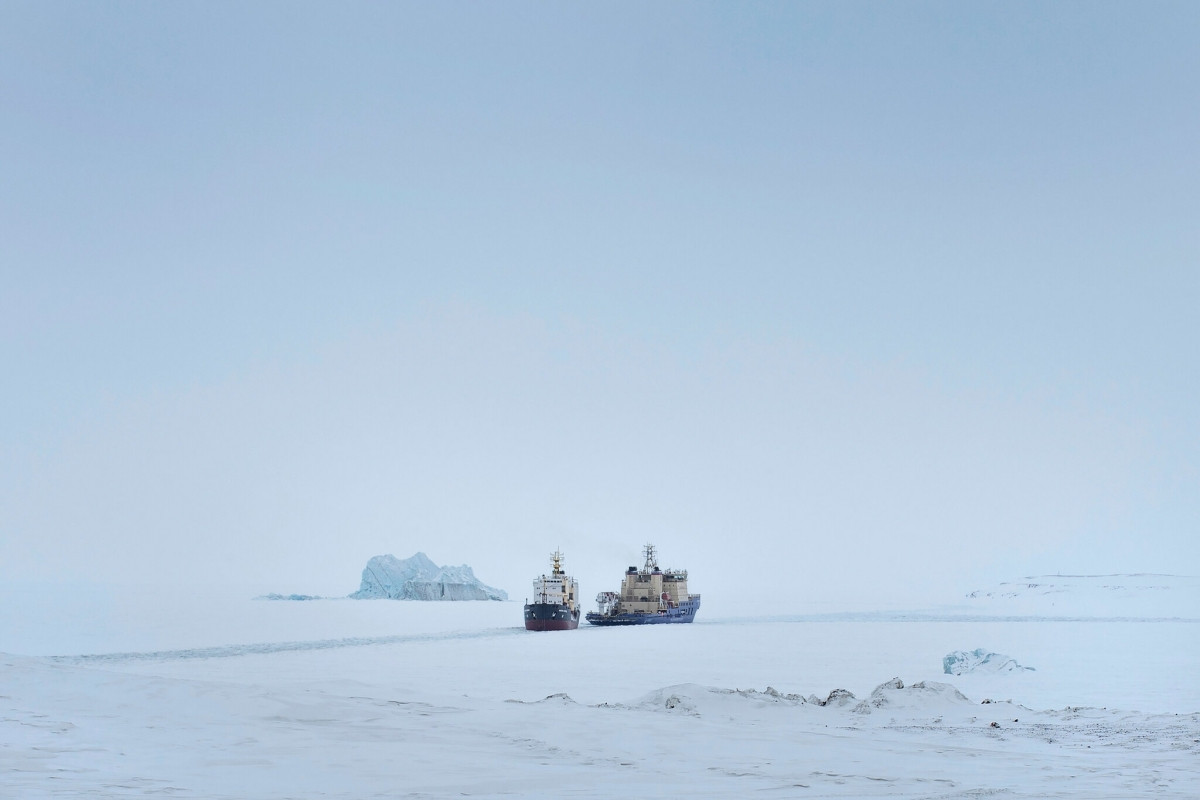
x,y
555,603
649,595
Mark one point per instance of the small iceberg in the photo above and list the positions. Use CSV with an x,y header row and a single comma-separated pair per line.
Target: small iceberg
x,y
961,662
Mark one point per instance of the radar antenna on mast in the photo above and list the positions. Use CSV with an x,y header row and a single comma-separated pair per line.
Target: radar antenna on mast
x,y
651,558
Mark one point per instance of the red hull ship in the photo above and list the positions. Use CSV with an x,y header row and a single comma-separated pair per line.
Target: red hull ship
x,y
555,605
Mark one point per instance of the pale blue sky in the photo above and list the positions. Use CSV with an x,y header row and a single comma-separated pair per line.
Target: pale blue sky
x,y
890,276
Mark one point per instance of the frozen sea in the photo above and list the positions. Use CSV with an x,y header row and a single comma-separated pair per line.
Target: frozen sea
x,y
152,694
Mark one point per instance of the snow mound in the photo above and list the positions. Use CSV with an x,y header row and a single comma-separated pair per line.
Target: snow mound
x,y
920,699
691,699
960,662
674,698
837,698
924,696
418,578
558,698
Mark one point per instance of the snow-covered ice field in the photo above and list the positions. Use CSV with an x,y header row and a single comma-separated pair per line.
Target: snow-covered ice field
x,y
239,698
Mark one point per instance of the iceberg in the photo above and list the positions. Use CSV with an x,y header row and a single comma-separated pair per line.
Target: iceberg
x,y
418,578
961,662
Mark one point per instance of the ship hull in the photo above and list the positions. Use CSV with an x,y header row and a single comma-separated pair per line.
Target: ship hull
x,y
686,612
550,617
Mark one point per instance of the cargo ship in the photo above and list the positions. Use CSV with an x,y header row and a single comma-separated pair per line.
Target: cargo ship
x,y
648,596
555,605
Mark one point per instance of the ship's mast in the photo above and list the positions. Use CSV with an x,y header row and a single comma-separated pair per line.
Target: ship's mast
x,y
556,557
651,558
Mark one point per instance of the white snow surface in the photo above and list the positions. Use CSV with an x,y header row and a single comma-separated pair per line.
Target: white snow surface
x,y
236,698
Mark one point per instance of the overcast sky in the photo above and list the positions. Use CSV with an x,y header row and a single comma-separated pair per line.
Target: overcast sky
x,y
887,299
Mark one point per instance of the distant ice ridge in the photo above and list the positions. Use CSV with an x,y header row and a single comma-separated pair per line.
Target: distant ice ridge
x,y
418,578
961,662
1136,595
